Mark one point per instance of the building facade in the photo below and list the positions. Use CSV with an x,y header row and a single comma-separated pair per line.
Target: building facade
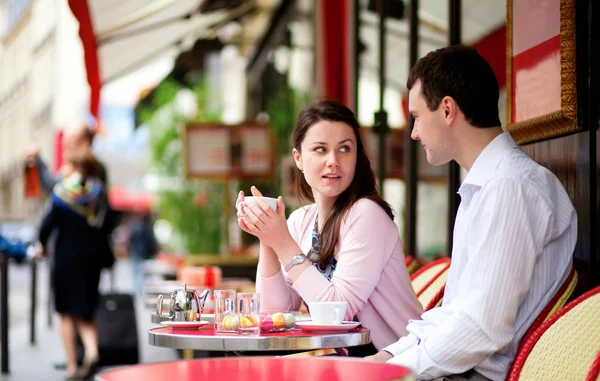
x,y
42,89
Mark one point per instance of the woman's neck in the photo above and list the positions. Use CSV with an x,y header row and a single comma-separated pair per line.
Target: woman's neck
x,y
323,210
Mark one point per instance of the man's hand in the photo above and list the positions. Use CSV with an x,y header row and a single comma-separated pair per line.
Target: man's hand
x,y
381,356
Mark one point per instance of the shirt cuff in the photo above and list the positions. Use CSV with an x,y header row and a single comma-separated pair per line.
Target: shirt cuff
x,y
30,251
408,359
402,345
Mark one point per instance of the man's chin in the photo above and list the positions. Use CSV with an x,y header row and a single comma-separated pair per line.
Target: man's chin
x,y
437,162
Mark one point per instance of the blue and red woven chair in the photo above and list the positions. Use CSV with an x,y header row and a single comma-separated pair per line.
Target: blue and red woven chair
x,y
564,347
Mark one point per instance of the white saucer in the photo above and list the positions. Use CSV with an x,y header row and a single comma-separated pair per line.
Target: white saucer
x,y
185,324
314,327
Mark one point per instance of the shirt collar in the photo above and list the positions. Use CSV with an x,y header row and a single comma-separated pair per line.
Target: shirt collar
x,y
488,160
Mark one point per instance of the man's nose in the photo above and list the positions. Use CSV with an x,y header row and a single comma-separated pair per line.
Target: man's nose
x,y
415,133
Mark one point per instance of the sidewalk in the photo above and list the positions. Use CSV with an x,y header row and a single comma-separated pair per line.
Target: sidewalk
x,y
36,362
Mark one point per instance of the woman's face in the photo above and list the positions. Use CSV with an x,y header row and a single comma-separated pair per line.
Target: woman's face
x,y
328,159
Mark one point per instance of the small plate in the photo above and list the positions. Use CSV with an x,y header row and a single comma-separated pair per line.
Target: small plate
x,y
313,327
185,324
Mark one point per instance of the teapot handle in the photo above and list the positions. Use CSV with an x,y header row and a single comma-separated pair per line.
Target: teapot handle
x,y
159,305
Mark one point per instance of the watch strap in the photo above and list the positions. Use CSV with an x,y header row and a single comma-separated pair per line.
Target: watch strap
x,y
298,258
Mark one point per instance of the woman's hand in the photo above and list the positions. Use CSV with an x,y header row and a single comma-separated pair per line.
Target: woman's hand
x,y
260,220
238,206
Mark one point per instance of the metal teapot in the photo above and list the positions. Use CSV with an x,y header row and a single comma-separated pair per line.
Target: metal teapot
x,y
185,305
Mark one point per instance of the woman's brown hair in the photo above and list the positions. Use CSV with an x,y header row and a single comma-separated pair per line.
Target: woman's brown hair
x,y
83,161
363,184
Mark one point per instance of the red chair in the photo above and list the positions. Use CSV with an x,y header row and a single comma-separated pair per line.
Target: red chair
x,y
411,264
555,304
594,373
429,282
564,347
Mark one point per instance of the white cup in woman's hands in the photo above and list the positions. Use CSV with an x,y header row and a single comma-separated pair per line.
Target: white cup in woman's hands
x,y
272,202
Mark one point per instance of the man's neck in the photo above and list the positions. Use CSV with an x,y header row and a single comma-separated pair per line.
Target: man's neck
x,y
471,142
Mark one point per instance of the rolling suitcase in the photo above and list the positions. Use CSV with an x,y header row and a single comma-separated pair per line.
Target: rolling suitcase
x,y
117,330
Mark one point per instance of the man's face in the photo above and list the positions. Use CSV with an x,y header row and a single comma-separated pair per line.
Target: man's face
x,y
430,128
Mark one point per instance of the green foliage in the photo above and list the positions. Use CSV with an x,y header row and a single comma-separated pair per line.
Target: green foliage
x,y
194,209
199,227
283,110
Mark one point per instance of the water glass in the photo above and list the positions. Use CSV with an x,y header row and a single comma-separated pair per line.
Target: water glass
x,y
226,319
249,313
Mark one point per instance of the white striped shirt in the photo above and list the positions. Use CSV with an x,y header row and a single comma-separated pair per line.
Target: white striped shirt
x,y
514,237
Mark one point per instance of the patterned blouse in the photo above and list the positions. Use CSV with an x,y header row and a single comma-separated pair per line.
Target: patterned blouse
x,y
315,253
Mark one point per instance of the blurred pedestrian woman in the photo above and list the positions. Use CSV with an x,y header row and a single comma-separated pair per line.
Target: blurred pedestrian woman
x,y
344,246
78,211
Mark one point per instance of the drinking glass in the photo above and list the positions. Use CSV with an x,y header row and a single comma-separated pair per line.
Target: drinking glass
x,y
226,319
249,313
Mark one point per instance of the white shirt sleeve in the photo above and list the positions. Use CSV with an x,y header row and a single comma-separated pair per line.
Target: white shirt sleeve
x,y
506,234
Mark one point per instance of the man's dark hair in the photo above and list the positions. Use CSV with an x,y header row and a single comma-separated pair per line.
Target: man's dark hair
x,y
461,73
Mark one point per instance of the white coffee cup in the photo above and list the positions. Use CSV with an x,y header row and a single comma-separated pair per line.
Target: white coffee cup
x,y
327,312
272,202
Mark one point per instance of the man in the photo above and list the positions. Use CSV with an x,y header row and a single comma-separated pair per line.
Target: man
x,y
514,235
18,250
75,138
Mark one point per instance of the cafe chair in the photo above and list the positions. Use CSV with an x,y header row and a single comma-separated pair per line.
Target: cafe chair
x,y
411,264
556,303
429,282
564,347
594,373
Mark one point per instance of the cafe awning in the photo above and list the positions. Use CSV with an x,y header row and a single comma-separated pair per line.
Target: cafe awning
x,y
120,36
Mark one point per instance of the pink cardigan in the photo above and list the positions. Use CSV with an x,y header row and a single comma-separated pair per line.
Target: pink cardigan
x,y
370,274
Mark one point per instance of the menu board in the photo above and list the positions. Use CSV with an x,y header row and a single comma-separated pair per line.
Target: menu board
x,y
213,151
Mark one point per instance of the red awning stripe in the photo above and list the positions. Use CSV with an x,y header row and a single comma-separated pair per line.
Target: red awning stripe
x,y
81,12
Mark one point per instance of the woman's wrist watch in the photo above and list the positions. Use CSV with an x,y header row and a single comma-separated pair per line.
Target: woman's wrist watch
x,y
298,258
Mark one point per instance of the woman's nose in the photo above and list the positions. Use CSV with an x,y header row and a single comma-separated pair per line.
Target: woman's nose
x,y
332,161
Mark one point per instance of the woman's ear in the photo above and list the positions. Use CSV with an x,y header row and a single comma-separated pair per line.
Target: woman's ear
x,y
298,159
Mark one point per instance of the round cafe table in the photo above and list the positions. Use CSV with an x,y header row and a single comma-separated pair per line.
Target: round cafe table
x,y
206,338
159,319
261,368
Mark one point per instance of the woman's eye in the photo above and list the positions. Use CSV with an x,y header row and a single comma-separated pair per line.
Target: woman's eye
x,y
345,149
320,149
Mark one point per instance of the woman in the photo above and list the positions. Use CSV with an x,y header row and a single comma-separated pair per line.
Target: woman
x,y
345,246
78,210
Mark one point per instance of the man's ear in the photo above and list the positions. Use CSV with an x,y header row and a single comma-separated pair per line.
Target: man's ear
x,y
449,109
297,159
